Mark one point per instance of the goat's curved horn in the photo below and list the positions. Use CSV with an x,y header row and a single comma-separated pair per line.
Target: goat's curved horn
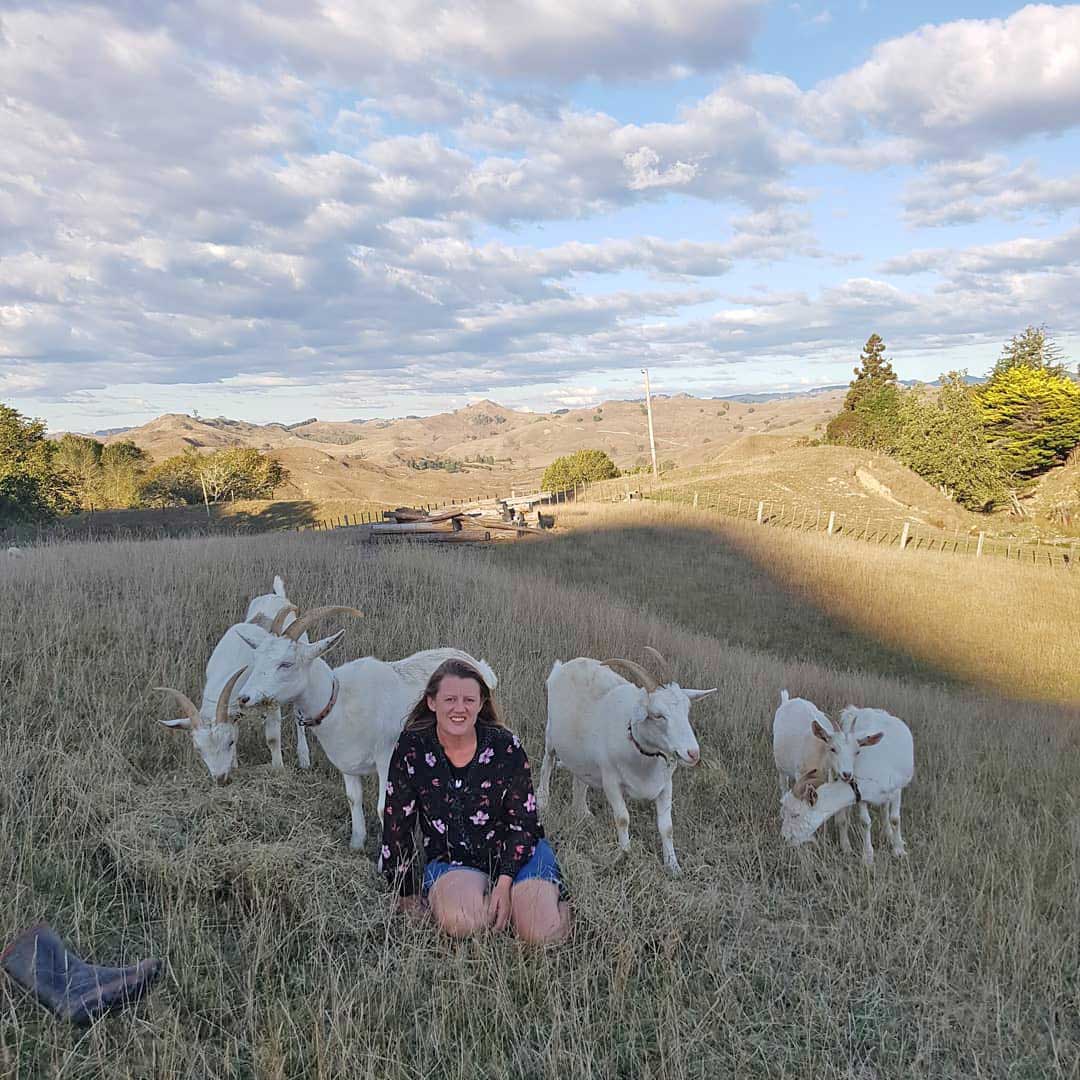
x,y
279,619
660,665
185,703
222,715
634,672
308,619
835,723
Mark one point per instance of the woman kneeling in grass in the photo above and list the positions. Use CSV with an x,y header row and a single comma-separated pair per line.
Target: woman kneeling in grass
x,y
468,779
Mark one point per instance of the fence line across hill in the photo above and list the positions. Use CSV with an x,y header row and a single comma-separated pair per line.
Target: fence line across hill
x,y
906,534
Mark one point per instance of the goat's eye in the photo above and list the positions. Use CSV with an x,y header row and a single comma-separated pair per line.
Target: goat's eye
x,y
285,664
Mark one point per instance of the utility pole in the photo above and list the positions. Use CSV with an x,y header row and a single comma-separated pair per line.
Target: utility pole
x,y
648,409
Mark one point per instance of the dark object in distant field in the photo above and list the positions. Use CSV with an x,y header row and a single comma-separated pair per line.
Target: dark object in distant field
x,y
66,985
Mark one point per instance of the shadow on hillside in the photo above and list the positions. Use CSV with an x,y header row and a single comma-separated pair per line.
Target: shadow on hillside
x,y
701,580
171,522
271,518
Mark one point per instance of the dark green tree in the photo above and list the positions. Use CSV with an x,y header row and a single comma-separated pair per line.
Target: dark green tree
x,y
942,438
577,468
873,373
1034,348
32,486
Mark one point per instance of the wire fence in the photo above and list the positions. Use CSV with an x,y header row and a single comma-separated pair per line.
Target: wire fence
x,y
908,534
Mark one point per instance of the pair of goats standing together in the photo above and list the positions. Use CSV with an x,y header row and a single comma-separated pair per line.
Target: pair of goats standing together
x,y
612,724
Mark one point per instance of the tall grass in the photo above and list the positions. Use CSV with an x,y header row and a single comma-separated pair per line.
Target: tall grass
x,y
283,959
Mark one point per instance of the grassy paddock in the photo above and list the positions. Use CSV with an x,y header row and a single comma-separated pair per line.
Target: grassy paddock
x,y
760,961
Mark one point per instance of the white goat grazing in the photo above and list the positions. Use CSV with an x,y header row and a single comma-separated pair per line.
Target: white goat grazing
x,y
215,736
624,735
16,553
263,611
883,769
356,710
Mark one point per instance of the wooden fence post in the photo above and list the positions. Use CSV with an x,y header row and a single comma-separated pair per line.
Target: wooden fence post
x,y
831,528
979,546
760,512
695,500
904,535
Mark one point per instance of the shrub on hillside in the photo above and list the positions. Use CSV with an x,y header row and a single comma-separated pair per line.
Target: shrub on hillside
x,y
578,468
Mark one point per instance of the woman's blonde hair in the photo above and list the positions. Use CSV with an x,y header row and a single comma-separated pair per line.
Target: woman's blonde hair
x,y
421,718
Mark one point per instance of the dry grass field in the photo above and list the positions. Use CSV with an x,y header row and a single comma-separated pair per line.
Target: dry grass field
x,y
760,961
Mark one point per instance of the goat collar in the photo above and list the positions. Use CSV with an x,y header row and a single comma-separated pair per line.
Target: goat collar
x,y
313,721
853,784
641,749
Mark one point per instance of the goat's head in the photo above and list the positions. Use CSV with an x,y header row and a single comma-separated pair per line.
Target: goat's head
x,y
264,610
662,724
842,745
281,663
215,739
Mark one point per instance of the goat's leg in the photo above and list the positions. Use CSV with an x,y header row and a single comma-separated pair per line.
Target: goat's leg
x,y
613,791
272,733
580,803
868,847
666,829
891,810
843,831
543,788
354,789
303,753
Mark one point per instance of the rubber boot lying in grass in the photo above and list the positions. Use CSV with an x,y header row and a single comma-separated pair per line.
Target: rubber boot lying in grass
x,y
74,990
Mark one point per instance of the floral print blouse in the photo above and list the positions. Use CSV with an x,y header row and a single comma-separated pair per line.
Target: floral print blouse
x,y
482,816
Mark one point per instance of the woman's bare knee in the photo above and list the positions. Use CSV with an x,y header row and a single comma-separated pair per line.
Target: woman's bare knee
x,y
538,916
459,906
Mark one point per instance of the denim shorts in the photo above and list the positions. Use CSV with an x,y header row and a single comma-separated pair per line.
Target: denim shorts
x,y
543,866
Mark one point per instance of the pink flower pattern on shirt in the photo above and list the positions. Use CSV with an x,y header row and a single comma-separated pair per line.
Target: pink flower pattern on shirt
x,y
486,819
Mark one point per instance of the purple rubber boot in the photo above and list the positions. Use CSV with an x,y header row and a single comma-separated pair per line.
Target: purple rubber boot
x,y
74,990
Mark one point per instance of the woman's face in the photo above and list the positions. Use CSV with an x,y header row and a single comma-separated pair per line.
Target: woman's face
x,y
456,704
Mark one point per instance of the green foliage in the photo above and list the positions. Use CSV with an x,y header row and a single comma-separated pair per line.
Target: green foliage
x,y
1031,414
123,468
873,373
874,423
80,458
1034,348
235,472
173,482
577,468
451,465
33,487
943,440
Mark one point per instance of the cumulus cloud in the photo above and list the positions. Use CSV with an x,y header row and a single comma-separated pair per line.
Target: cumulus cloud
x,y
268,195
962,192
957,89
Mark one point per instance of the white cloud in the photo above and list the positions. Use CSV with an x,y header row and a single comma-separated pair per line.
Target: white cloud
x,y
957,89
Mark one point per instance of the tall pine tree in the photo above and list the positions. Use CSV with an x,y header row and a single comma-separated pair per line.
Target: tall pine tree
x,y
874,373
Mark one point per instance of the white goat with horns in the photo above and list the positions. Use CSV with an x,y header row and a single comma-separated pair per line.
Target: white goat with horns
x,y
869,750
356,710
214,733
616,727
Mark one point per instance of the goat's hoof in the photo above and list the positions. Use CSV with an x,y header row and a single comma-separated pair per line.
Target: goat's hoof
x,y
900,852
674,869
357,845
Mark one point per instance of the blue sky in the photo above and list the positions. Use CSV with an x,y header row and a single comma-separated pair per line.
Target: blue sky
x,y
274,211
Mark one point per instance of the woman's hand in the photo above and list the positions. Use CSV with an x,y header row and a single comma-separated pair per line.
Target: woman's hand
x,y
413,906
499,903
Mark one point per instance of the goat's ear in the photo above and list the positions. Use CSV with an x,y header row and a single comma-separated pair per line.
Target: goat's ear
x,y
872,740
248,638
820,732
693,695
317,648
182,723
279,585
